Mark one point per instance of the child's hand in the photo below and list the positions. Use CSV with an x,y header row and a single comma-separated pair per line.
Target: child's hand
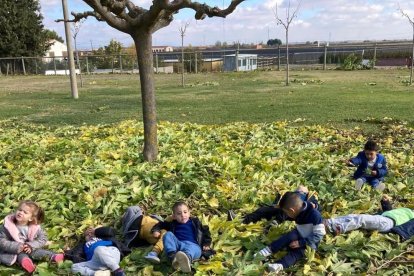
x,y
156,234
313,205
206,247
27,249
374,173
294,244
348,162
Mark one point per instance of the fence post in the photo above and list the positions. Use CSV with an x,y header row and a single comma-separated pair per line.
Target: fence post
x,y
87,66
196,61
35,66
7,70
324,57
156,63
375,56
54,65
66,67
236,56
278,57
112,65
120,63
24,67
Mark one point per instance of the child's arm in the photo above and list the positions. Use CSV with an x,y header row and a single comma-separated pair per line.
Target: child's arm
x,y
318,231
76,254
357,160
105,232
161,225
206,240
383,170
7,245
39,241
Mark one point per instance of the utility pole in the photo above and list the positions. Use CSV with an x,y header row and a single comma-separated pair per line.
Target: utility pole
x,y
182,32
73,85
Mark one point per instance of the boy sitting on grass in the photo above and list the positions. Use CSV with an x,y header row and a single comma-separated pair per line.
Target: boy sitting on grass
x,y
371,167
309,231
186,238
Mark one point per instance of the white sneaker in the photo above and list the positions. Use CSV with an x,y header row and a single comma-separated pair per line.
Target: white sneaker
x,y
265,252
103,273
380,187
358,183
152,257
182,261
275,267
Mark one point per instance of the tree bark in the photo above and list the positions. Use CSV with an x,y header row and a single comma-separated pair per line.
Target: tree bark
x,y
143,45
287,56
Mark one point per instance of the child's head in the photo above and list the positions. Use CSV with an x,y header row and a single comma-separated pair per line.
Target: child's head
x,y
89,233
29,212
181,212
370,150
291,203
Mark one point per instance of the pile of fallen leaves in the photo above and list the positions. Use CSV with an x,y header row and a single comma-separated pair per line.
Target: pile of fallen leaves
x,y
88,176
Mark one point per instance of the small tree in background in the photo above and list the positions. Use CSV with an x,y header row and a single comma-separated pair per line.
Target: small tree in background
x,y
140,24
274,42
286,24
412,54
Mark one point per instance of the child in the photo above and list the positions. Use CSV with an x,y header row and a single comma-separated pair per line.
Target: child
x,y
372,167
100,252
384,223
137,232
309,231
276,213
22,238
186,237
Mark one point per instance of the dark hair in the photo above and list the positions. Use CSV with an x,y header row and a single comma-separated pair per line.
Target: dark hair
x,y
371,146
178,204
37,212
291,200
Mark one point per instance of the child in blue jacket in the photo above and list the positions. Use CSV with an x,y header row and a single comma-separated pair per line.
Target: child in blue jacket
x,y
309,231
371,167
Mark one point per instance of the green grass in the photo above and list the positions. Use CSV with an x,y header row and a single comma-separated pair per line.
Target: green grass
x,y
340,98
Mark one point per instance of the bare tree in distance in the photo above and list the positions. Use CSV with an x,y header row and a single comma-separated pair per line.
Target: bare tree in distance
x,y
285,22
140,24
411,20
183,29
75,30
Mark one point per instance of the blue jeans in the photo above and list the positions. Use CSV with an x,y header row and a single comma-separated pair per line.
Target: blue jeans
x,y
172,245
293,255
373,181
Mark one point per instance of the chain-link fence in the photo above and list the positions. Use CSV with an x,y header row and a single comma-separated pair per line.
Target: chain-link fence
x,y
212,60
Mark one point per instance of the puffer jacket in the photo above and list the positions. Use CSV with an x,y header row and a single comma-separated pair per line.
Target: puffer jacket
x,y
10,241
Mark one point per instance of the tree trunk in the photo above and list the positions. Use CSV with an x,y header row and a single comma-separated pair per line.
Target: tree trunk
x,y
287,56
143,45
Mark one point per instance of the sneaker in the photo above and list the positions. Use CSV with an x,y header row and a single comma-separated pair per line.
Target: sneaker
x,y
152,257
265,252
119,272
102,273
57,258
231,215
182,261
358,183
27,265
380,187
275,267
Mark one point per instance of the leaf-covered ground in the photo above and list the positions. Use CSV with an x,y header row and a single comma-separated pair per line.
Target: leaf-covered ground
x,y
89,175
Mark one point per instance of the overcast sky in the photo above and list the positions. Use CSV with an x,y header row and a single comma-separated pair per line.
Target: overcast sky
x,y
254,21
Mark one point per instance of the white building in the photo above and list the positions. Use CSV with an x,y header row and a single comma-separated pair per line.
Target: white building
x,y
57,49
162,49
245,62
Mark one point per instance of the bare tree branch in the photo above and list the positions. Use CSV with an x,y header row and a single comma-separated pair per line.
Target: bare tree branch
x,y
404,14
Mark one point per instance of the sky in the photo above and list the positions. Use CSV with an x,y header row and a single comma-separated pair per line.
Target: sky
x,y
254,21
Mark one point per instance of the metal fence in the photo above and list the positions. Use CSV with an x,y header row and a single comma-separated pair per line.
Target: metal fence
x,y
207,61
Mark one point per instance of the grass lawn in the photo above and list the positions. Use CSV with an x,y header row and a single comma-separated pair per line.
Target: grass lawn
x,y
341,98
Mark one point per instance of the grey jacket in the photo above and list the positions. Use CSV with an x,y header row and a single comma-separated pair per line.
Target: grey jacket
x,y
10,243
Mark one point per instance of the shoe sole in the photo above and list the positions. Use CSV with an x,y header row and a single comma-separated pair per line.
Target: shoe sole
x,y
153,260
183,262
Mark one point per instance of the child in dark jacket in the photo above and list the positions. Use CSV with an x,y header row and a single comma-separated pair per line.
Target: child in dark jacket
x,y
99,252
275,213
371,167
22,239
309,231
186,237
